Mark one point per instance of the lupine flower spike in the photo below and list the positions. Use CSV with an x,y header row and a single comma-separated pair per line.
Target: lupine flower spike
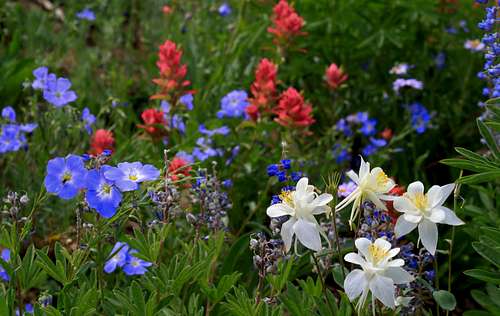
x,y
372,186
301,205
424,211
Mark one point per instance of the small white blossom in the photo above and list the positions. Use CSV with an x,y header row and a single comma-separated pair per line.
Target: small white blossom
x,y
301,205
371,185
424,211
379,272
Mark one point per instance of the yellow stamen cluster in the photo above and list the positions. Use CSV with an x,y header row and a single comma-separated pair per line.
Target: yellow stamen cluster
x,y
377,254
382,178
286,197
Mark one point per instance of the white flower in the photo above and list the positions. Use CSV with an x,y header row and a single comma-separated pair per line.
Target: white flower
x,y
424,211
379,273
372,185
301,205
400,69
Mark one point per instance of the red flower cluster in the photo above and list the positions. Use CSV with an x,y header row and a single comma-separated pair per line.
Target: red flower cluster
x,y
292,111
172,72
152,119
100,141
178,169
286,22
263,89
166,10
335,76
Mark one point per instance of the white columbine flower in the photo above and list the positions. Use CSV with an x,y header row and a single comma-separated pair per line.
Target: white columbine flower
x,y
379,272
372,185
301,205
424,211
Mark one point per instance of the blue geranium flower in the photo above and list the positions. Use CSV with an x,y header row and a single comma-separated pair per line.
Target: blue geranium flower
x,y
187,100
204,149
233,104
57,92
223,130
42,76
119,258
5,257
102,194
134,265
368,128
419,117
128,175
343,126
9,114
11,138
65,176
225,9
86,14
89,119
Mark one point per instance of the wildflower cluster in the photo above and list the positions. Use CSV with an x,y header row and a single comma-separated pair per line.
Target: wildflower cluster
x,y
55,90
350,126
67,176
122,256
286,23
263,90
13,134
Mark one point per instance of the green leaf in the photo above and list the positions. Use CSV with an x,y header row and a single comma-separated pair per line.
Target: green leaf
x,y
483,275
480,177
445,299
489,253
488,137
338,276
466,164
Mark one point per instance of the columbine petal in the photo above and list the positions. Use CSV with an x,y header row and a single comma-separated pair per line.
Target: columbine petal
x,y
450,217
362,245
428,233
301,186
412,218
354,283
415,188
437,195
398,275
323,199
279,209
287,233
354,177
383,244
403,227
375,199
383,289
308,234
404,205
395,263
355,258
437,215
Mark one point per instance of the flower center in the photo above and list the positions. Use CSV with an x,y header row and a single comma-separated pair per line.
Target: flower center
x,y
377,254
286,197
106,189
66,177
382,178
135,263
420,201
133,177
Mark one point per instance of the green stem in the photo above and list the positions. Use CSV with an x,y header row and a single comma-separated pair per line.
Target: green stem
x,y
323,286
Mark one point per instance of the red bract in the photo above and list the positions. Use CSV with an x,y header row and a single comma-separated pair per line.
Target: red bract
x,y
172,72
100,141
387,134
263,89
178,169
292,111
398,191
152,119
286,22
166,10
335,76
